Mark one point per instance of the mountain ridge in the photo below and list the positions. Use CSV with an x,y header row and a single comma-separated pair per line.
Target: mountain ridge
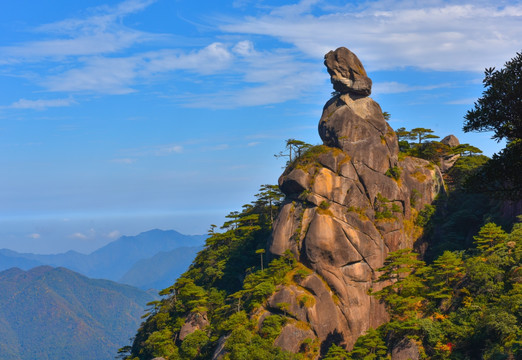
x,y
56,313
111,261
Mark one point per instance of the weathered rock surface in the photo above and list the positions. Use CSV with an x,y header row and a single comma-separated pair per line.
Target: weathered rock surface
x,y
347,72
345,210
195,321
451,141
292,337
406,349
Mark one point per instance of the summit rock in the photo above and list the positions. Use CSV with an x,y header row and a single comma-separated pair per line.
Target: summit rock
x,y
347,72
349,202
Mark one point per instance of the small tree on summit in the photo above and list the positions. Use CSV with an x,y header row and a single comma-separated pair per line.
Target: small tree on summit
x,y
422,134
295,149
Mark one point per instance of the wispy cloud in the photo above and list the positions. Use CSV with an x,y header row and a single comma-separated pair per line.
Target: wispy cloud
x,y
466,101
104,57
267,77
398,33
113,234
40,104
132,155
101,32
79,235
167,150
393,87
91,234
34,236
117,75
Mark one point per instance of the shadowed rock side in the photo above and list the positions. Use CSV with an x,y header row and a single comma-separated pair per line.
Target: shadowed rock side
x,y
348,204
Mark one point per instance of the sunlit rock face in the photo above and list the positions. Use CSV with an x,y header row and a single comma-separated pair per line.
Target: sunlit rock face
x,y
347,206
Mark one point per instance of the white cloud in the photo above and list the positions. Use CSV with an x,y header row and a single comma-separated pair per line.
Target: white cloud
x,y
466,101
79,235
399,33
41,104
168,149
34,236
393,87
102,75
117,75
436,35
208,60
267,77
102,32
244,48
114,234
147,151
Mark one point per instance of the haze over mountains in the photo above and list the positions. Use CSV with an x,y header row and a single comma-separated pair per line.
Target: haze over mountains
x,y
123,259
54,313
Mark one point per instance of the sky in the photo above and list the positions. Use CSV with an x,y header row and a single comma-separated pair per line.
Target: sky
x,y
117,117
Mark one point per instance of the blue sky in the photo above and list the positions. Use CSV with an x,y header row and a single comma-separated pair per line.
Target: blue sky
x,y
121,116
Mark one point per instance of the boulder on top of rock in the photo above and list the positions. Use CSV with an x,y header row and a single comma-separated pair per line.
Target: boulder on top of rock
x,y
450,140
347,72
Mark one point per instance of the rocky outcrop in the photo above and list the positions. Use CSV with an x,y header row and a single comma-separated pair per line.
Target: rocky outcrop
x,y
347,72
448,161
451,141
195,321
348,203
406,349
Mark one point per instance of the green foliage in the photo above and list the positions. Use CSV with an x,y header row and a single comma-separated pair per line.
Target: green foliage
x,y
425,215
55,313
337,353
324,205
433,151
161,343
500,110
193,344
226,281
464,167
463,305
309,156
500,176
422,134
295,148
384,209
370,346
394,172
414,197
500,107
465,150
489,237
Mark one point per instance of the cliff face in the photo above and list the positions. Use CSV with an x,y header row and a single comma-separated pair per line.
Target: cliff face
x,y
348,204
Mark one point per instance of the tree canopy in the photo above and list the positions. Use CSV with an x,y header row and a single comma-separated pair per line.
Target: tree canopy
x,y
500,107
500,110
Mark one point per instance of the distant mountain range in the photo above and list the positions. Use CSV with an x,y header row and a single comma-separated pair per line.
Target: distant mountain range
x,y
152,259
54,313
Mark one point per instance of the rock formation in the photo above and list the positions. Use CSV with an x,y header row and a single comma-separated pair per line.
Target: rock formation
x,y
448,161
348,204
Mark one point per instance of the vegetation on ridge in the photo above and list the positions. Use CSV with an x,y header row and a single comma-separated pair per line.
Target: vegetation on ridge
x,y
462,301
464,305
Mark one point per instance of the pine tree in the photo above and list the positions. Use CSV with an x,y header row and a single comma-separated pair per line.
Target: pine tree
x,y
489,236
